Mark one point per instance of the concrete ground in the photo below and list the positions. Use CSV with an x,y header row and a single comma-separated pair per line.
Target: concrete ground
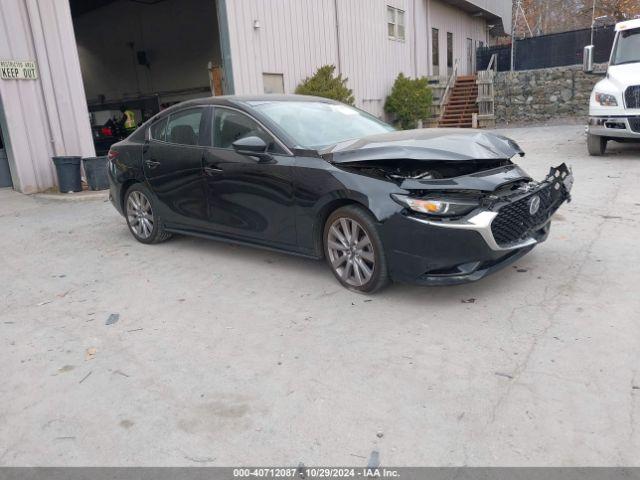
x,y
226,355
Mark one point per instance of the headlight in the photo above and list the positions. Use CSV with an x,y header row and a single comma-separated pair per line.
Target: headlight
x,y
606,100
438,206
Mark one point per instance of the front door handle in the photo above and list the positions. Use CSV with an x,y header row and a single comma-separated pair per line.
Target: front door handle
x,y
211,171
152,163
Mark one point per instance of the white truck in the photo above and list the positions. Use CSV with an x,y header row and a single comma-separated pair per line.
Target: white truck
x,y
614,106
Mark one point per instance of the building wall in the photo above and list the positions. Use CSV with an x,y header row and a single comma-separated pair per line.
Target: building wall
x,y
447,18
48,116
179,36
294,38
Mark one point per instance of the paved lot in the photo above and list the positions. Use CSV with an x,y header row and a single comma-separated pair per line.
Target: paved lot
x,y
228,355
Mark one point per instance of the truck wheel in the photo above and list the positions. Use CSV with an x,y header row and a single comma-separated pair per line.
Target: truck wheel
x,y
596,145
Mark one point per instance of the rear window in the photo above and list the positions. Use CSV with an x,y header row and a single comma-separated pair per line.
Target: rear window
x,y
157,131
184,127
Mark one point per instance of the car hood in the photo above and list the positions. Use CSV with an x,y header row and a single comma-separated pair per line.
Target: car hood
x,y
442,144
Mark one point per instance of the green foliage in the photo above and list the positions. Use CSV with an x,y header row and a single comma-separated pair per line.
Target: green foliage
x,y
410,101
325,84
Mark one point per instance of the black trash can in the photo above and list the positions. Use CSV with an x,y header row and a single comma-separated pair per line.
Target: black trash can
x,y
95,168
68,170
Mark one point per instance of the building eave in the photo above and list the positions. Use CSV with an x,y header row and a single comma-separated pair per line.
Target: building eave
x,y
496,12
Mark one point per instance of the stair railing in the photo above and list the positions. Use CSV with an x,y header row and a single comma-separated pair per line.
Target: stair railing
x,y
486,94
447,91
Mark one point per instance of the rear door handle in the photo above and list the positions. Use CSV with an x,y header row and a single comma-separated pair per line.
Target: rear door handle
x,y
210,171
152,163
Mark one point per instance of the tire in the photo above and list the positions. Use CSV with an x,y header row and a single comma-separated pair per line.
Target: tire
x,y
359,263
141,213
596,145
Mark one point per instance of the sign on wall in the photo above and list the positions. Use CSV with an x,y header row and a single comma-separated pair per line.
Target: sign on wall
x,y
17,70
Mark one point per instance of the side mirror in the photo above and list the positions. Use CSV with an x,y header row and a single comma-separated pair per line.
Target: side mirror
x,y
587,59
254,146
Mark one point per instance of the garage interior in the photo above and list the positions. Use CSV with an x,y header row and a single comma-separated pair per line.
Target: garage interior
x,y
145,55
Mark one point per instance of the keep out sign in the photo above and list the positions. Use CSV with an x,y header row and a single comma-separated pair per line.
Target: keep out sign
x,y
17,70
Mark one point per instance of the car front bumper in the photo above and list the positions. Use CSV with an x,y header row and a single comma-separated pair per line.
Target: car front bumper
x,y
436,252
615,127
439,255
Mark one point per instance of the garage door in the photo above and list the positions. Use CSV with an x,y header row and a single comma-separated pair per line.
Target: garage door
x,y
5,174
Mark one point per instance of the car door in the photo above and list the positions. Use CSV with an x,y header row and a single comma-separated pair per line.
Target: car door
x,y
249,197
172,163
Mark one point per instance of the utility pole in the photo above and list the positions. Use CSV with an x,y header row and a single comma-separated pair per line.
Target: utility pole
x,y
519,9
593,20
514,27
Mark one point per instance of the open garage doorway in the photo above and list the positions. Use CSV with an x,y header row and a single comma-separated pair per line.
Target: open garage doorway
x,y
144,55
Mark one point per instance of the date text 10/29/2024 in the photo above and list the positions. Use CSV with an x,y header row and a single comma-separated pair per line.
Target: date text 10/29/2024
x,y
316,472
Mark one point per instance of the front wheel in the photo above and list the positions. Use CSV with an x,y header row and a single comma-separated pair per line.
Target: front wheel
x,y
596,145
142,217
353,249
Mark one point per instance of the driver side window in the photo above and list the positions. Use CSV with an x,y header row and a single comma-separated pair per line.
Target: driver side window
x,y
230,125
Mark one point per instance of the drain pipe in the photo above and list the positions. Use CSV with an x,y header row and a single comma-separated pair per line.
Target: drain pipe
x,y
339,62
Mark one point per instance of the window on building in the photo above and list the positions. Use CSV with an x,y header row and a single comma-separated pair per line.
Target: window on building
x,y
273,82
449,53
395,23
435,51
184,127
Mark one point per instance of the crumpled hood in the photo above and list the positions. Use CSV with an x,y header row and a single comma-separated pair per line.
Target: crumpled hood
x,y
444,144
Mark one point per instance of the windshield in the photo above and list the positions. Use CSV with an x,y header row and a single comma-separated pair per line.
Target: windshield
x,y
315,125
627,49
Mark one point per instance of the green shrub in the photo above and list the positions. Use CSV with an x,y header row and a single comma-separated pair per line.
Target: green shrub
x,y
410,101
324,83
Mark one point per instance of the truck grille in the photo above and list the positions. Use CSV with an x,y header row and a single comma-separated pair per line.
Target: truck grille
x,y
514,223
632,96
634,123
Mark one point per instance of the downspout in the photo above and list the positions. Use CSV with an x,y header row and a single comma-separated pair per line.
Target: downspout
x,y
415,42
339,62
225,47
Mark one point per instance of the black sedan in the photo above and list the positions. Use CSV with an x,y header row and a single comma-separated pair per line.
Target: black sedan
x,y
317,178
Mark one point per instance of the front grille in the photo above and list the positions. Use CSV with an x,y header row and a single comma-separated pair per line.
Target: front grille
x,y
514,223
634,123
632,96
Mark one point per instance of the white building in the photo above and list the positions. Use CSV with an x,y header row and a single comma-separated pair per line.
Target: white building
x,y
97,54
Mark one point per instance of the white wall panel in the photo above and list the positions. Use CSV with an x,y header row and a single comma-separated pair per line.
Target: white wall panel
x,y
295,37
48,116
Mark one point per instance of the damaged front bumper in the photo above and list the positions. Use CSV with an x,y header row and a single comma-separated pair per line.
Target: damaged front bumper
x,y
506,227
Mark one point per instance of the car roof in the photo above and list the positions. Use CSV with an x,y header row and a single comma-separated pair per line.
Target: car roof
x,y
243,99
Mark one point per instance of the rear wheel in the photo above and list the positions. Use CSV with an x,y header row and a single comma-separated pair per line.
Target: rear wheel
x,y
353,249
596,145
142,218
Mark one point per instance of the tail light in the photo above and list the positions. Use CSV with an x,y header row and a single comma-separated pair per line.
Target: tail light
x,y
106,131
112,155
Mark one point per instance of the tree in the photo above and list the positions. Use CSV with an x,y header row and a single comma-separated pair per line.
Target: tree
x,y
545,17
618,9
409,101
324,83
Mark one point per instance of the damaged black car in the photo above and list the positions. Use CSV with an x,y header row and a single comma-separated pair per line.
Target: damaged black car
x,y
320,179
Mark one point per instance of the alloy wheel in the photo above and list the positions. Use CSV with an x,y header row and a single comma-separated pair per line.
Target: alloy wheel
x,y
140,214
350,252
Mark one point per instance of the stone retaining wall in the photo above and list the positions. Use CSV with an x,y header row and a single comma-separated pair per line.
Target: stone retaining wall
x,y
544,94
